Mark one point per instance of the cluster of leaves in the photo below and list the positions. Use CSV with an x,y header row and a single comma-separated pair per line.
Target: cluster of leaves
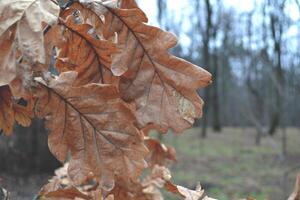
x,y
101,77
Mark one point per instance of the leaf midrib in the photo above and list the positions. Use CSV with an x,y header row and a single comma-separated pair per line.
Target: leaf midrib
x,y
81,114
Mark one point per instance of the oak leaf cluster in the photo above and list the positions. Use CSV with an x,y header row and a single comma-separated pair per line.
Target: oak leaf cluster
x,y
101,78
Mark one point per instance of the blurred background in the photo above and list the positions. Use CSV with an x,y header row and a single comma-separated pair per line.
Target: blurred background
x,y
248,141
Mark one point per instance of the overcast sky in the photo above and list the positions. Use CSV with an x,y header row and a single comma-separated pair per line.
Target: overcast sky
x,y
149,6
178,6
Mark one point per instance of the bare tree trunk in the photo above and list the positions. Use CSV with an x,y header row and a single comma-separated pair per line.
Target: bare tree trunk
x,y
298,4
205,113
161,6
277,30
284,142
27,151
206,60
216,124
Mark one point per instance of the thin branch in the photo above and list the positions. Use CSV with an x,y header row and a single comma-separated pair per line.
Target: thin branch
x,y
298,4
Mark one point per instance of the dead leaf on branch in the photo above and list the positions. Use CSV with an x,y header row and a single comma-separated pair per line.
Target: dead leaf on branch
x,y
60,187
21,27
296,193
92,122
96,126
66,194
159,153
6,114
185,192
80,49
162,86
149,188
10,111
7,58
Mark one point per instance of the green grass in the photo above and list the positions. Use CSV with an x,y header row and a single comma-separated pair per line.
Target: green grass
x,y
230,166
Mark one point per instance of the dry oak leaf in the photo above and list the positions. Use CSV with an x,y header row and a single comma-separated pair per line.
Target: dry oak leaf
x,y
81,50
160,178
148,189
208,198
65,194
21,23
159,153
185,192
10,111
6,114
95,126
60,187
7,56
155,181
163,87
296,194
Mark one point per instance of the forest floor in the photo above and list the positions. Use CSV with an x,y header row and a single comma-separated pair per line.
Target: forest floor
x,y
229,166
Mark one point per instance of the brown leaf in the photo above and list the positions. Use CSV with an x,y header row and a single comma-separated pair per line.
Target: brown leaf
x,y
23,114
10,111
148,189
159,153
296,194
162,86
6,114
96,126
187,193
60,186
64,194
81,50
23,18
7,56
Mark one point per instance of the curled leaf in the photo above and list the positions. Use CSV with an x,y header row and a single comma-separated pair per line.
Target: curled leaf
x,y
185,192
7,56
159,153
21,27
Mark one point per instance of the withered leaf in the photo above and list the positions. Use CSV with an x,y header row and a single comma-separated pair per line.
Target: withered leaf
x,y
7,56
6,114
148,189
61,187
159,153
81,50
95,126
65,194
185,192
21,23
208,198
10,111
162,86
296,193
